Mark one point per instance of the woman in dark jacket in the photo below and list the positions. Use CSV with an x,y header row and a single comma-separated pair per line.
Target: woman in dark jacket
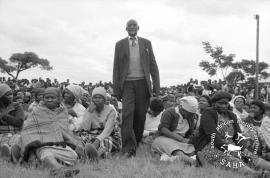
x,y
219,141
11,120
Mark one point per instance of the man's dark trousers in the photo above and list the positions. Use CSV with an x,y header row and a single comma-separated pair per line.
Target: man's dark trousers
x,y
135,103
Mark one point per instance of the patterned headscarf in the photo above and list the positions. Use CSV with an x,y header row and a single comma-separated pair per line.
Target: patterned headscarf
x,y
77,91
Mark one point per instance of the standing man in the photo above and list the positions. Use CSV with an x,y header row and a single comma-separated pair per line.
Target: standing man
x,y
134,62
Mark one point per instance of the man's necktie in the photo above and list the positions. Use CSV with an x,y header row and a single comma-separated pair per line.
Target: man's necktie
x,y
133,42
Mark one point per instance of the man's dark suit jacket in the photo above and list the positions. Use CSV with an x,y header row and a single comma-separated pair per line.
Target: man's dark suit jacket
x,y
121,65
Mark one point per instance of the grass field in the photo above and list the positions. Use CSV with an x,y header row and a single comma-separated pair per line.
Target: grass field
x,y
143,165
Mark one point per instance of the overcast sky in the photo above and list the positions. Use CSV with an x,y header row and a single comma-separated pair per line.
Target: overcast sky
x,y
78,36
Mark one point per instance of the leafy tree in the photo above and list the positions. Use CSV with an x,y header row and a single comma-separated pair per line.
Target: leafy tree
x,y
220,62
248,67
19,62
235,76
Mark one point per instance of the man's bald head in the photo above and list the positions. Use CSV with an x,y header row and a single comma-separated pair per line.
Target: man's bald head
x,y
131,21
132,27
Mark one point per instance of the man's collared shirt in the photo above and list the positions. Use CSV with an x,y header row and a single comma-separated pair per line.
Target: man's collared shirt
x,y
130,39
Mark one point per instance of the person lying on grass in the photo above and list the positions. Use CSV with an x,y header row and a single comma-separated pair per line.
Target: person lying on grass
x,y
11,120
46,134
176,128
219,141
98,128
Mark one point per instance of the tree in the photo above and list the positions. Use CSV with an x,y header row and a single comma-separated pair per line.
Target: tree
x,y
221,61
235,76
248,67
19,62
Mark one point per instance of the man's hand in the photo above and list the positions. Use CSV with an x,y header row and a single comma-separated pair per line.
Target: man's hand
x,y
72,113
154,94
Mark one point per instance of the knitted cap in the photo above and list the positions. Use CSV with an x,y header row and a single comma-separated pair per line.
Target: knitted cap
x,y
53,91
4,88
99,91
190,104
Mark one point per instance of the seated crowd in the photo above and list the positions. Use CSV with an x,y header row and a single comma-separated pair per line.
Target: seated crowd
x,y
55,127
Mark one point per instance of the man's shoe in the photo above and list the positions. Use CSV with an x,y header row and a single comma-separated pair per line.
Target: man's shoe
x,y
130,154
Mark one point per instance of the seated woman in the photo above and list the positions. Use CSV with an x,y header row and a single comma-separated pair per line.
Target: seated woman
x,y
176,127
219,136
11,120
152,121
46,133
238,108
259,136
72,101
98,126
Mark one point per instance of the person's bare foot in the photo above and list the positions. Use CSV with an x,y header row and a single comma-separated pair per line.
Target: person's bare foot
x,y
6,152
91,152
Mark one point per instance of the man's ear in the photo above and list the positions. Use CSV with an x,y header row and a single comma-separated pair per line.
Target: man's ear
x,y
138,28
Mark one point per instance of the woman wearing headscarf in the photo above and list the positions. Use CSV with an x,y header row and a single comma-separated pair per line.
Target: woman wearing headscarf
x,y
219,135
176,127
98,128
238,107
11,120
72,101
46,133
